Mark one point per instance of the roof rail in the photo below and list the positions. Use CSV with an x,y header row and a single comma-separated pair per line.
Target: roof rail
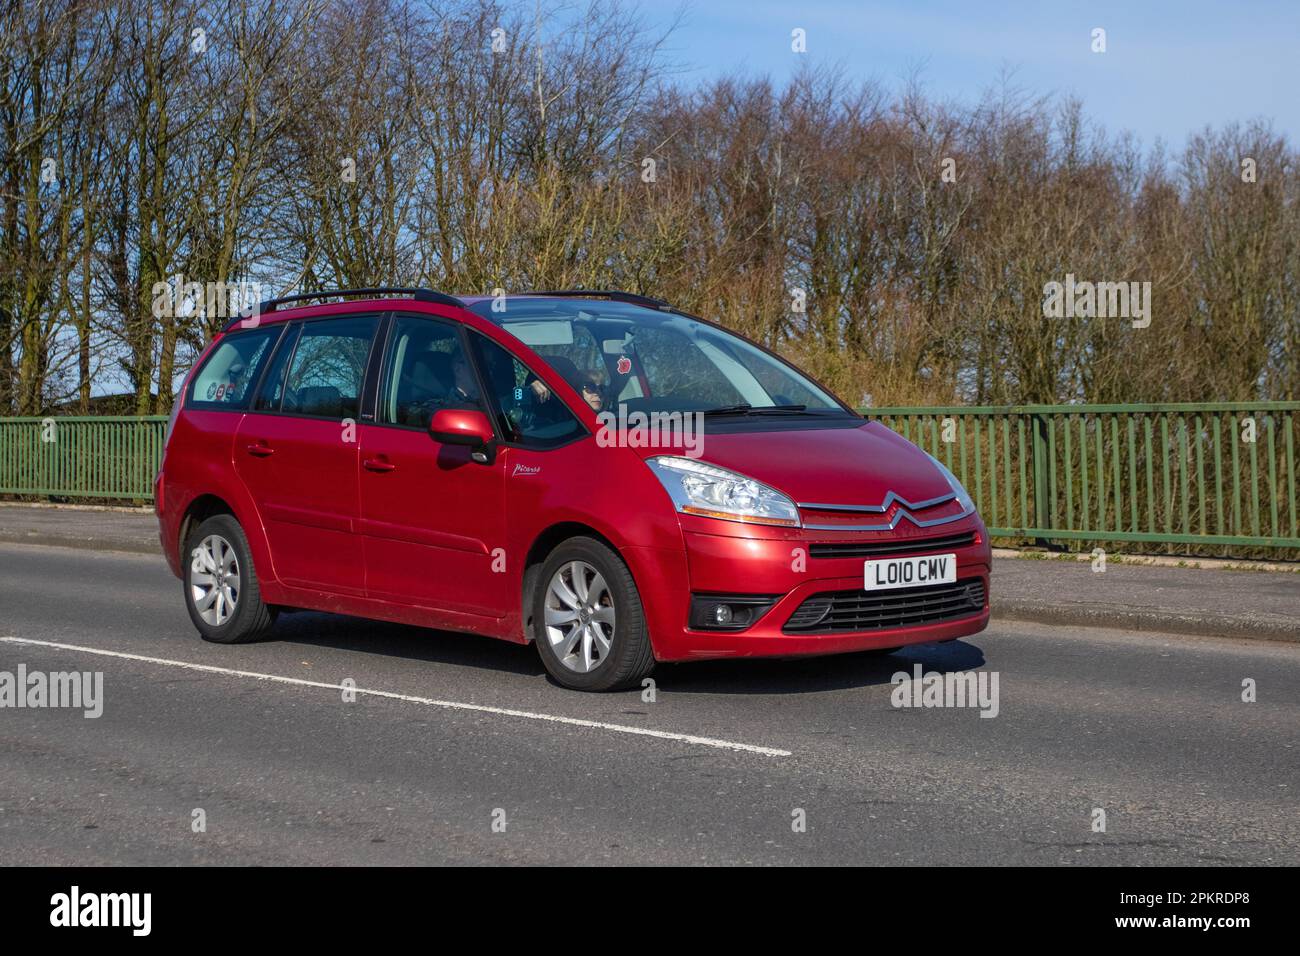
x,y
614,294
420,295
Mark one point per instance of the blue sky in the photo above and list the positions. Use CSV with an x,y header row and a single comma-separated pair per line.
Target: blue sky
x,y
1170,68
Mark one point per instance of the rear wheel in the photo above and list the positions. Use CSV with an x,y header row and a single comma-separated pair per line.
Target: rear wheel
x,y
588,622
222,593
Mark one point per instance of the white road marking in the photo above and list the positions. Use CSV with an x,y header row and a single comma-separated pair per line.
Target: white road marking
x,y
429,701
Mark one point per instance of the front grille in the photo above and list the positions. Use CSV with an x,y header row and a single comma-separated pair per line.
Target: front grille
x,y
835,611
872,549
884,517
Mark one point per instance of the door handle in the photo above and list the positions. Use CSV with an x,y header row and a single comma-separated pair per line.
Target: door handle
x,y
260,450
378,464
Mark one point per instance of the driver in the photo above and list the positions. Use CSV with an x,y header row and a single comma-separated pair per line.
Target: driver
x,y
584,383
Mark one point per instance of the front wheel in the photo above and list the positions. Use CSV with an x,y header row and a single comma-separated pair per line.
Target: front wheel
x,y
222,593
587,619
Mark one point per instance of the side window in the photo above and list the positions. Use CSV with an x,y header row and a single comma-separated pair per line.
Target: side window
x,y
271,391
329,367
530,414
228,375
425,369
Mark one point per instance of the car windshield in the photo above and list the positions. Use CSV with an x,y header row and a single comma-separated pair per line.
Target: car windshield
x,y
618,353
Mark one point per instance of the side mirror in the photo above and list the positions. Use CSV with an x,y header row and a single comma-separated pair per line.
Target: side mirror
x,y
461,426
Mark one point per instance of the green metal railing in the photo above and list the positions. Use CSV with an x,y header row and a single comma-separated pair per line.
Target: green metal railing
x,y
1185,474
1194,476
81,456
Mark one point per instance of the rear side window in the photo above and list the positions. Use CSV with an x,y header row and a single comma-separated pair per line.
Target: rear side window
x,y
329,367
227,377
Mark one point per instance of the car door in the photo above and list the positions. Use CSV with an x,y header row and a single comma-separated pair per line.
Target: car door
x,y
297,453
432,518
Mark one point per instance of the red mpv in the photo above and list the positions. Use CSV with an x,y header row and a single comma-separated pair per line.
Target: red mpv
x,y
595,472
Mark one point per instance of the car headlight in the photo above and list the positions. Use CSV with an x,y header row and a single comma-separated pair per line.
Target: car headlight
x,y
713,492
963,498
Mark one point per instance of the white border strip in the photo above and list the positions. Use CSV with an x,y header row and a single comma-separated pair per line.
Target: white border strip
x,y
429,701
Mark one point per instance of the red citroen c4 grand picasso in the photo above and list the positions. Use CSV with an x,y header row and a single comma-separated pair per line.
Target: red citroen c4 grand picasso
x,y
596,472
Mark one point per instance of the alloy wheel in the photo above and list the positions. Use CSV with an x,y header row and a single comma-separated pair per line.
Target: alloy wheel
x,y
214,579
579,616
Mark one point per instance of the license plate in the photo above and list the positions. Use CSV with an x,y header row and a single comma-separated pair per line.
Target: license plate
x,y
889,573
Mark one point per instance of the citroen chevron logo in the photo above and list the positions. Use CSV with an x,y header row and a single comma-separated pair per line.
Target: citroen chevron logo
x,y
894,505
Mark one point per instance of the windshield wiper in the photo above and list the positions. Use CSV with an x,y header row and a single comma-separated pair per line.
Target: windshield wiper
x,y
745,408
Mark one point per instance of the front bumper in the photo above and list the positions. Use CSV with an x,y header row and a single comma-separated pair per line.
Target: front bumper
x,y
780,563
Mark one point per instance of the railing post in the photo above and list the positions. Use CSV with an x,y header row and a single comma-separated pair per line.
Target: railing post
x,y
1042,502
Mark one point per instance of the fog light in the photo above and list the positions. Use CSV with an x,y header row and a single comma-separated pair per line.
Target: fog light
x,y
728,612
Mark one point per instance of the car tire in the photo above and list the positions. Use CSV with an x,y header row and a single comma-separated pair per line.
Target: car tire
x,y
220,584
614,620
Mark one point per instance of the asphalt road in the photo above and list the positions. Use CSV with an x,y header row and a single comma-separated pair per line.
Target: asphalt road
x,y
462,732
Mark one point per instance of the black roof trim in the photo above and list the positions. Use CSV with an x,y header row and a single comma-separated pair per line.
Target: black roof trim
x,y
419,295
